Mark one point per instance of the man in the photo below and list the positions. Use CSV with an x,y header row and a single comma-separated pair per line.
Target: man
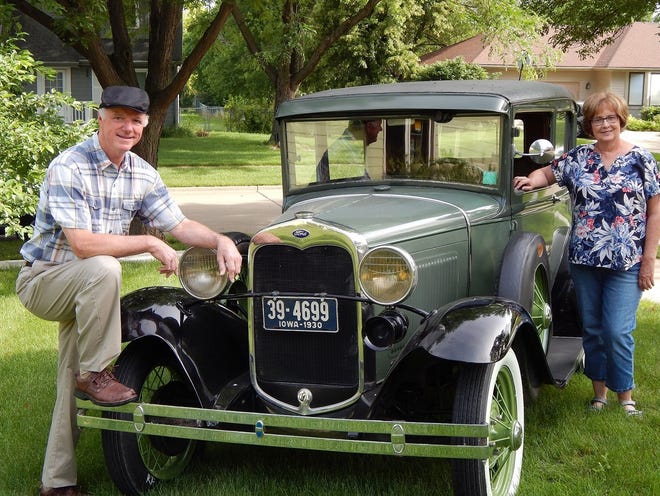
x,y
90,194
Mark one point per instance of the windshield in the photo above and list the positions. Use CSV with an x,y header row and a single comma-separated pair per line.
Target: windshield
x,y
461,149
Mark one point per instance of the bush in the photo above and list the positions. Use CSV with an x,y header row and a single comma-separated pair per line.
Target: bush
x,y
650,113
249,116
454,69
32,133
635,124
176,132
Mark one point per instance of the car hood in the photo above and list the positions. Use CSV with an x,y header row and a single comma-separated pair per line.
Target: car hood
x,y
390,217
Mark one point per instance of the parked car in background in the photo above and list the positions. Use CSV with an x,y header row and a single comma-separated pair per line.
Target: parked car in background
x,y
407,302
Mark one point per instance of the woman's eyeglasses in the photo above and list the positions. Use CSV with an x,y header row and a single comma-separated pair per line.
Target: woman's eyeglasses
x,y
600,121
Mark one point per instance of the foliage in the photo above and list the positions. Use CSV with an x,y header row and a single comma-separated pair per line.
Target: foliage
x,y
227,69
249,115
635,124
32,133
311,45
454,69
650,113
177,132
589,23
114,35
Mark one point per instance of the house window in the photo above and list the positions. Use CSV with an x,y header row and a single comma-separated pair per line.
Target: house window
x,y
636,88
59,83
56,84
654,93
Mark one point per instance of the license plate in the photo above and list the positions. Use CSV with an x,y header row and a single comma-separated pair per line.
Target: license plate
x,y
285,313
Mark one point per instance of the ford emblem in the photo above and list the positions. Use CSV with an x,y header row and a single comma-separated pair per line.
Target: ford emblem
x,y
300,233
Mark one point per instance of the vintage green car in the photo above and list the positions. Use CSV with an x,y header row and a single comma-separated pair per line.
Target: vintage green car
x,y
407,302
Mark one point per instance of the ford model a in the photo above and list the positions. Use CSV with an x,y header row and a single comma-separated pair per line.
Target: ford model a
x,y
407,302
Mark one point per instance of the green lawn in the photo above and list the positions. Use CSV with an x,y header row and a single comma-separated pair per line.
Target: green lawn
x,y
219,159
567,450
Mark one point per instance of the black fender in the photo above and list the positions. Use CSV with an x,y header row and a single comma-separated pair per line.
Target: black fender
x,y
523,254
472,330
207,339
468,331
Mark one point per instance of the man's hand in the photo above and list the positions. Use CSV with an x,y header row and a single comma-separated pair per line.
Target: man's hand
x,y
167,256
193,233
229,259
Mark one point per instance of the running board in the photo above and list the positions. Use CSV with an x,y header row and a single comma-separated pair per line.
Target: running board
x,y
565,356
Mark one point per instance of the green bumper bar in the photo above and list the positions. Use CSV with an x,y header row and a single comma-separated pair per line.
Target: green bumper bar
x,y
379,437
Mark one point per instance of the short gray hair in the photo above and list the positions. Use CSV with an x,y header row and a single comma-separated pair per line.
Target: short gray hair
x,y
102,114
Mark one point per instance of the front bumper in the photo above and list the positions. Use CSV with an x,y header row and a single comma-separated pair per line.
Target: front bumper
x,y
379,437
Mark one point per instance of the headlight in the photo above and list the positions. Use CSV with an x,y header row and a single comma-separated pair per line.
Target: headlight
x,y
199,273
387,275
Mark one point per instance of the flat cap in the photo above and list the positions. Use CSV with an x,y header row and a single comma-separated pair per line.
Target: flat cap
x,y
125,96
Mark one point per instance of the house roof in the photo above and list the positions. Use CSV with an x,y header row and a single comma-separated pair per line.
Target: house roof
x,y
49,49
638,47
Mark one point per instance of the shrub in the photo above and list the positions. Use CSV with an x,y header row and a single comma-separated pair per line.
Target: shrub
x,y
650,113
249,116
635,124
454,69
176,132
32,133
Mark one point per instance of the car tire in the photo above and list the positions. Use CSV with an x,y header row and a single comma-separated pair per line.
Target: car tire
x,y
136,462
490,394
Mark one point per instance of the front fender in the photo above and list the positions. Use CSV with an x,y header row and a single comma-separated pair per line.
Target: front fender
x,y
152,311
207,339
471,330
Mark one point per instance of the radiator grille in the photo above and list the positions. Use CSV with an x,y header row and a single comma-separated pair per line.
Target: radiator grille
x,y
288,360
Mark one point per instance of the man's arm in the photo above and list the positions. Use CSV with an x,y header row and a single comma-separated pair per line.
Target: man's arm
x,y
87,244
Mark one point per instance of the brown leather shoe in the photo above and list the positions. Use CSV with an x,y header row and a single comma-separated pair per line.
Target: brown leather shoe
x,y
62,491
103,389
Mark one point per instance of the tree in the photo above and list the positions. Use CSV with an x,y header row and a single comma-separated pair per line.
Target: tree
x,y
590,23
85,25
32,133
316,44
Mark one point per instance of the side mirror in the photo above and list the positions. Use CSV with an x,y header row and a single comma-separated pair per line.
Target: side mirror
x,y
541,152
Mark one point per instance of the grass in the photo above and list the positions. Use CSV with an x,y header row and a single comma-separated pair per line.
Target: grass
x,y
567,450
219,159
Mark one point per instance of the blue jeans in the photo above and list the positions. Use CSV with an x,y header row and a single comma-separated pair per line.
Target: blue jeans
x,y
608,301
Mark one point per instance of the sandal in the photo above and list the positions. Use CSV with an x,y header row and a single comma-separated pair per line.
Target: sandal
x,y
630,407
597,404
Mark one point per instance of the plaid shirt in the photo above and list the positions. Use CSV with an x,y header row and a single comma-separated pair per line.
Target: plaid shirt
x,y
84,190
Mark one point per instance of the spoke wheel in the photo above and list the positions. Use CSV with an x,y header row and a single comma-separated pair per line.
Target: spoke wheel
x,y
540,308
136,462
491,394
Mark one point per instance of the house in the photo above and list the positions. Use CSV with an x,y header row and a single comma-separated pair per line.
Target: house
x,y
74,74
629,66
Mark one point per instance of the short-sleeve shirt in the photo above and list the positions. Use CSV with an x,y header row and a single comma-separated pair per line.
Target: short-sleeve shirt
x,y
609,207
83,189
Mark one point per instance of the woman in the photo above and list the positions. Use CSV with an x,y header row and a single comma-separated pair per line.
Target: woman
x,y
614,238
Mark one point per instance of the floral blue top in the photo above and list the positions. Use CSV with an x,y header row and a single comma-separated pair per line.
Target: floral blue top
x,y
609,207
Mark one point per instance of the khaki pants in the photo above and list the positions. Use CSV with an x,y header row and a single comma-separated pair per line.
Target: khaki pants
x,y
83,296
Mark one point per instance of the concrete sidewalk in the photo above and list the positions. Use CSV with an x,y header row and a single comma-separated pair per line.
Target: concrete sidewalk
x,y
241,208
647,139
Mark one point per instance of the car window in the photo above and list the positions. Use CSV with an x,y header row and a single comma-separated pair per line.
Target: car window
x,y
459,149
